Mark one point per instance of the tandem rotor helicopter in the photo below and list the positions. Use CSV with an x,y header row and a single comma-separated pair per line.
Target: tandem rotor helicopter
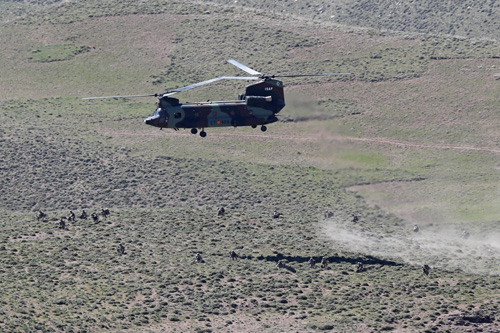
x,y
257,107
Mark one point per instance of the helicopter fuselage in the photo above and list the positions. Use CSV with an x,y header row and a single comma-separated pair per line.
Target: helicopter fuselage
x,y
211,114
258,106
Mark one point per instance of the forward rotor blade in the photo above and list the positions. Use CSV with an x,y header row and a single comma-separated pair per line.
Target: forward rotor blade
x,y
191,86
128,96
241,77
243,67
195,85
322,74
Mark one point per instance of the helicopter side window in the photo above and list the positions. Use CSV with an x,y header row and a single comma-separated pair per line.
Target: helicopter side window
x,y
177,115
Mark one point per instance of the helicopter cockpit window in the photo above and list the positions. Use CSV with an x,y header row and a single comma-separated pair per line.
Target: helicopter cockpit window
x,y
177,115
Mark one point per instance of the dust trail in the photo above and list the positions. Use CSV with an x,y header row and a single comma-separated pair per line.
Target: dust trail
x,y
438,246
328,138
417,145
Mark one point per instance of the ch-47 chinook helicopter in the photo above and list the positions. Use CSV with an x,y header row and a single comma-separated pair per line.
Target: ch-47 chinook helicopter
x,y
257,107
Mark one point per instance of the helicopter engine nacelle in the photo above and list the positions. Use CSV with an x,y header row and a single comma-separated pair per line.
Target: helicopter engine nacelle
x,y
258,100
265,88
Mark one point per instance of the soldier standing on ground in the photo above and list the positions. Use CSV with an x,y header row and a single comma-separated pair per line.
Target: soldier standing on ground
x,y
426,269
197,258
105,212
324,262
221,211
311,262
233,255
41,215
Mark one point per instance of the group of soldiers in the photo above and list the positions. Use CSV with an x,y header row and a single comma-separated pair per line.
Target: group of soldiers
x,y
72,217
329,214
232,254
324,262
282,262
198,258
83,216
312,262
465,234
360,267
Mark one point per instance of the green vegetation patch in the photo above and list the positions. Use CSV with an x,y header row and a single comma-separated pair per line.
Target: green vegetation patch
x,y
51,53
363,159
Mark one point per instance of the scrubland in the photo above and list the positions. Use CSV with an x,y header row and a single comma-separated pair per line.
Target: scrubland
x,y
409,138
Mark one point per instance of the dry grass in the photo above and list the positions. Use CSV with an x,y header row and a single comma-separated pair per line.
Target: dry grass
x,y
404,116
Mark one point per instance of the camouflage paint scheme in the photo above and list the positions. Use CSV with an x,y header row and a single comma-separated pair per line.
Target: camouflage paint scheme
x,y
259,106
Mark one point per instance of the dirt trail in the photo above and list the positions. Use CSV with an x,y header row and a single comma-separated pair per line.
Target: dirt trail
x,y
417,145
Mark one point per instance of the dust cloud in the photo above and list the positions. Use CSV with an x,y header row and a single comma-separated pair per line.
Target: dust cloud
x,y
445,247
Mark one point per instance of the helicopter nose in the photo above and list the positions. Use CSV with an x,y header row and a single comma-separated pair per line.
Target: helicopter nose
x,y
151,120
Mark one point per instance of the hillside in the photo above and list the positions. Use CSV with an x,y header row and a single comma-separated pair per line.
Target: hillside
x,y
466,18
410,138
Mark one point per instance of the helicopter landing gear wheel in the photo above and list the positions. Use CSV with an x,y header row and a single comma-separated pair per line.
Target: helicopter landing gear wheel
x,y
203,134
254,126
263,128
194,131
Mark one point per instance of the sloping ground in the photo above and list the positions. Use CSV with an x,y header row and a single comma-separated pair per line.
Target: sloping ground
x,y
61,160
476,19
59,280
386,127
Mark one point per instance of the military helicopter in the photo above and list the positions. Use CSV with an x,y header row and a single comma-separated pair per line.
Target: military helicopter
x,y
257,107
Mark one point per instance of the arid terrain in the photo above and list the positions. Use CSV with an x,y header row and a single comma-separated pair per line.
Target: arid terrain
x,y
355,165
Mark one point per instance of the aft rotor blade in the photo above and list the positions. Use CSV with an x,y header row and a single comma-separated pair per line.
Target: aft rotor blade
x,y
322,74
195,85
128,96
243,67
